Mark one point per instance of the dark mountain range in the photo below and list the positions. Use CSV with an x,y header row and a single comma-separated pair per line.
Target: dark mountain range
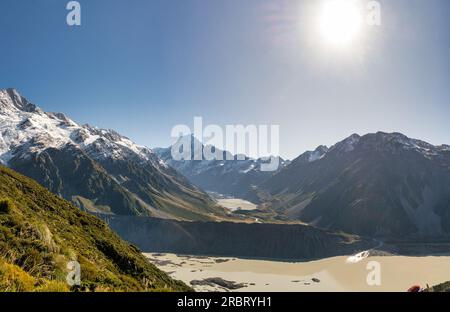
x,y
379,185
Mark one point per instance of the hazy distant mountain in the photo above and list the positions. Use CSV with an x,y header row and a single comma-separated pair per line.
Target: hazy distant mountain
x,y
378,184
236,178
99,170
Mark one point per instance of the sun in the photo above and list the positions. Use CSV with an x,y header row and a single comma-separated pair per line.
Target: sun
x,y
340,22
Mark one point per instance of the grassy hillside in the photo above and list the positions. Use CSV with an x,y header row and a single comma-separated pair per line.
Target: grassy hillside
x,y
41,233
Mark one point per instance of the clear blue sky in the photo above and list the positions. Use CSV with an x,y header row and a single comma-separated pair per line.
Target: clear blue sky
x,y
142,66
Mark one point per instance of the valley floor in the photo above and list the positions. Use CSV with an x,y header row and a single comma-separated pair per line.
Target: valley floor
x,y
398,273
234,204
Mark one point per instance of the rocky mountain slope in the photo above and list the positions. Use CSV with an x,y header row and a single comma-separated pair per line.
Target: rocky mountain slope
x,y
257,240
41,233
381,184
99,170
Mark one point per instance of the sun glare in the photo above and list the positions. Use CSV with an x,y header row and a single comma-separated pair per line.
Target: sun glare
x,y
340,22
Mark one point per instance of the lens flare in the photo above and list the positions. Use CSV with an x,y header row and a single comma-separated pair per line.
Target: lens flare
x,y
340,22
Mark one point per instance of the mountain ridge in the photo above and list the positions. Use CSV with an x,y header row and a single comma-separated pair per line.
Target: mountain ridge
x,y
99,170
379,184
237,176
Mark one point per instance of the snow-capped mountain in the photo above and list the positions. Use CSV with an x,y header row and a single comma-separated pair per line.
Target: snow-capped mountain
x,y
100,170
312,156
26,128
393,142
379,184
236,178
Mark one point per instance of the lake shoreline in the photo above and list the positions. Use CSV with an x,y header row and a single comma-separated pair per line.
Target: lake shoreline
x,y
398,273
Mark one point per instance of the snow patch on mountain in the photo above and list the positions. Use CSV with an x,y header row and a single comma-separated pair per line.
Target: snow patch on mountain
x,y
25,128
347,145
423,216
387,142
250,168
319,153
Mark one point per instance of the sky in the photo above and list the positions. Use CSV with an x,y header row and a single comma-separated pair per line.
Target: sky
x,y
141,67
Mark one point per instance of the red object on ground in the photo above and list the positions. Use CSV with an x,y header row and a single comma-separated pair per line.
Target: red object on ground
x,y
415,288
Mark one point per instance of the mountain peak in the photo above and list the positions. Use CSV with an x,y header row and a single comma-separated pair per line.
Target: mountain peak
x,y
396,136
26,127
318,153
397,140
348,144
10,99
